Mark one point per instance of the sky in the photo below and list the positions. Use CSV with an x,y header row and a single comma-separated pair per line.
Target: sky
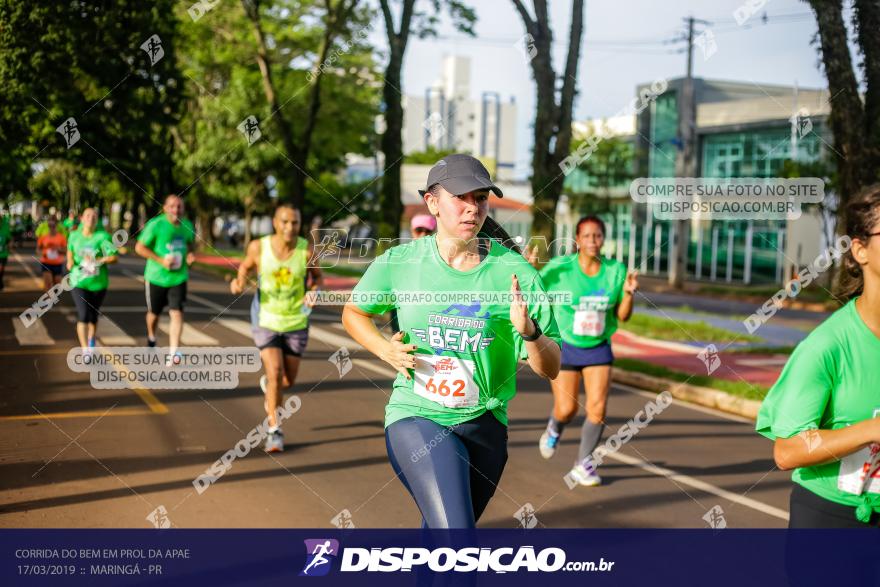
x,y
623,47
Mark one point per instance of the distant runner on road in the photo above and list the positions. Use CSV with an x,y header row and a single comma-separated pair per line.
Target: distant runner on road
x,y
166,242
602,293
280,310
88,253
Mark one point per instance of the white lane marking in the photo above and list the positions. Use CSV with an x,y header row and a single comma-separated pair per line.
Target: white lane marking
x,y
770,361
111,334
701,485
33,274
712,412
333,339
35,334
190,336
337,340
238,326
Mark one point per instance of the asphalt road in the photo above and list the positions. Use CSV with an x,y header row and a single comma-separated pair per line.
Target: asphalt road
x,y
74,456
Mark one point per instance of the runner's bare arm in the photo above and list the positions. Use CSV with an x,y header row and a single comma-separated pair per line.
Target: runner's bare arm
x,y
69,259
147,253
360,326
251,262
544,354
817,447
314,270
630,286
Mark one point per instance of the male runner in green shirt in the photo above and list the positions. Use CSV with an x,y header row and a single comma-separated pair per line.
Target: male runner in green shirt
x,y
166,242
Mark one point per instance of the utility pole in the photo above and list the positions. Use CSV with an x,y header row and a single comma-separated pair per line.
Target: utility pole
x,y
685,160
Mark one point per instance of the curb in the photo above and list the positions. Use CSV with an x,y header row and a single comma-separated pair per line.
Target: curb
x,y
704,396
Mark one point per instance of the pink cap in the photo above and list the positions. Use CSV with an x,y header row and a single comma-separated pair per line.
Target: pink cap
x,y
425,221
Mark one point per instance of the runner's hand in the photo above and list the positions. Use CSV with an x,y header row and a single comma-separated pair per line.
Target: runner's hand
x,y
190,259
519,311
632,283
399,356
167,262
311,298
235,287
531,255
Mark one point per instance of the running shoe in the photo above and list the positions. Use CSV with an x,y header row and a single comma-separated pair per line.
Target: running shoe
x,y
585,475
92,342
547,444
275,441
87,355
151,343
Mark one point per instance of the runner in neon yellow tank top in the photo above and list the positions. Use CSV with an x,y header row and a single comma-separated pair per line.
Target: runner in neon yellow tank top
x,y
280,310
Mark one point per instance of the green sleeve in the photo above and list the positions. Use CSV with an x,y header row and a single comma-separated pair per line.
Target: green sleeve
x,y
373,292
148,234
620,279
801,394
107,248
542,312
190,231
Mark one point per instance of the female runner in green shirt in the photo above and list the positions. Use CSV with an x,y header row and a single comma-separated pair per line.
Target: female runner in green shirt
x,y
89,251
457,351
822,412
602,292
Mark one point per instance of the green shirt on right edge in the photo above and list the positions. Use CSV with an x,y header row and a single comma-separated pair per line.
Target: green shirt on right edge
x,y
830,382
5,236
170,241
590,319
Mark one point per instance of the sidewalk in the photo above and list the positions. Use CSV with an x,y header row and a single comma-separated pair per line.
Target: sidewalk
x,y
760,369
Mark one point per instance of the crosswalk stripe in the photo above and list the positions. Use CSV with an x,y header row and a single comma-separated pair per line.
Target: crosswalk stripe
x,y
333,339
35,334
112,335
191,336
238,326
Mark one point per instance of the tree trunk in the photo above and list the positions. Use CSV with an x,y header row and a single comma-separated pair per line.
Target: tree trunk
x,y
552,135
847,116
390,201
392,140
289,174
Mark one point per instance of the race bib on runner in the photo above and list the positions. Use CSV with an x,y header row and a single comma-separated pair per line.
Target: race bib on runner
x,y
88,266
52,254
860,471
449,381
176,260
589,322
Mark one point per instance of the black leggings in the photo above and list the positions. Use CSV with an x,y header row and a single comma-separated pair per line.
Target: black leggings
x,y
451,471
808,510
88,303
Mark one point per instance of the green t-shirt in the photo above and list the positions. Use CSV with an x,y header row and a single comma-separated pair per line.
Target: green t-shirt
x,y
164,239
5,236
467,348
86,250
591,318
829,382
